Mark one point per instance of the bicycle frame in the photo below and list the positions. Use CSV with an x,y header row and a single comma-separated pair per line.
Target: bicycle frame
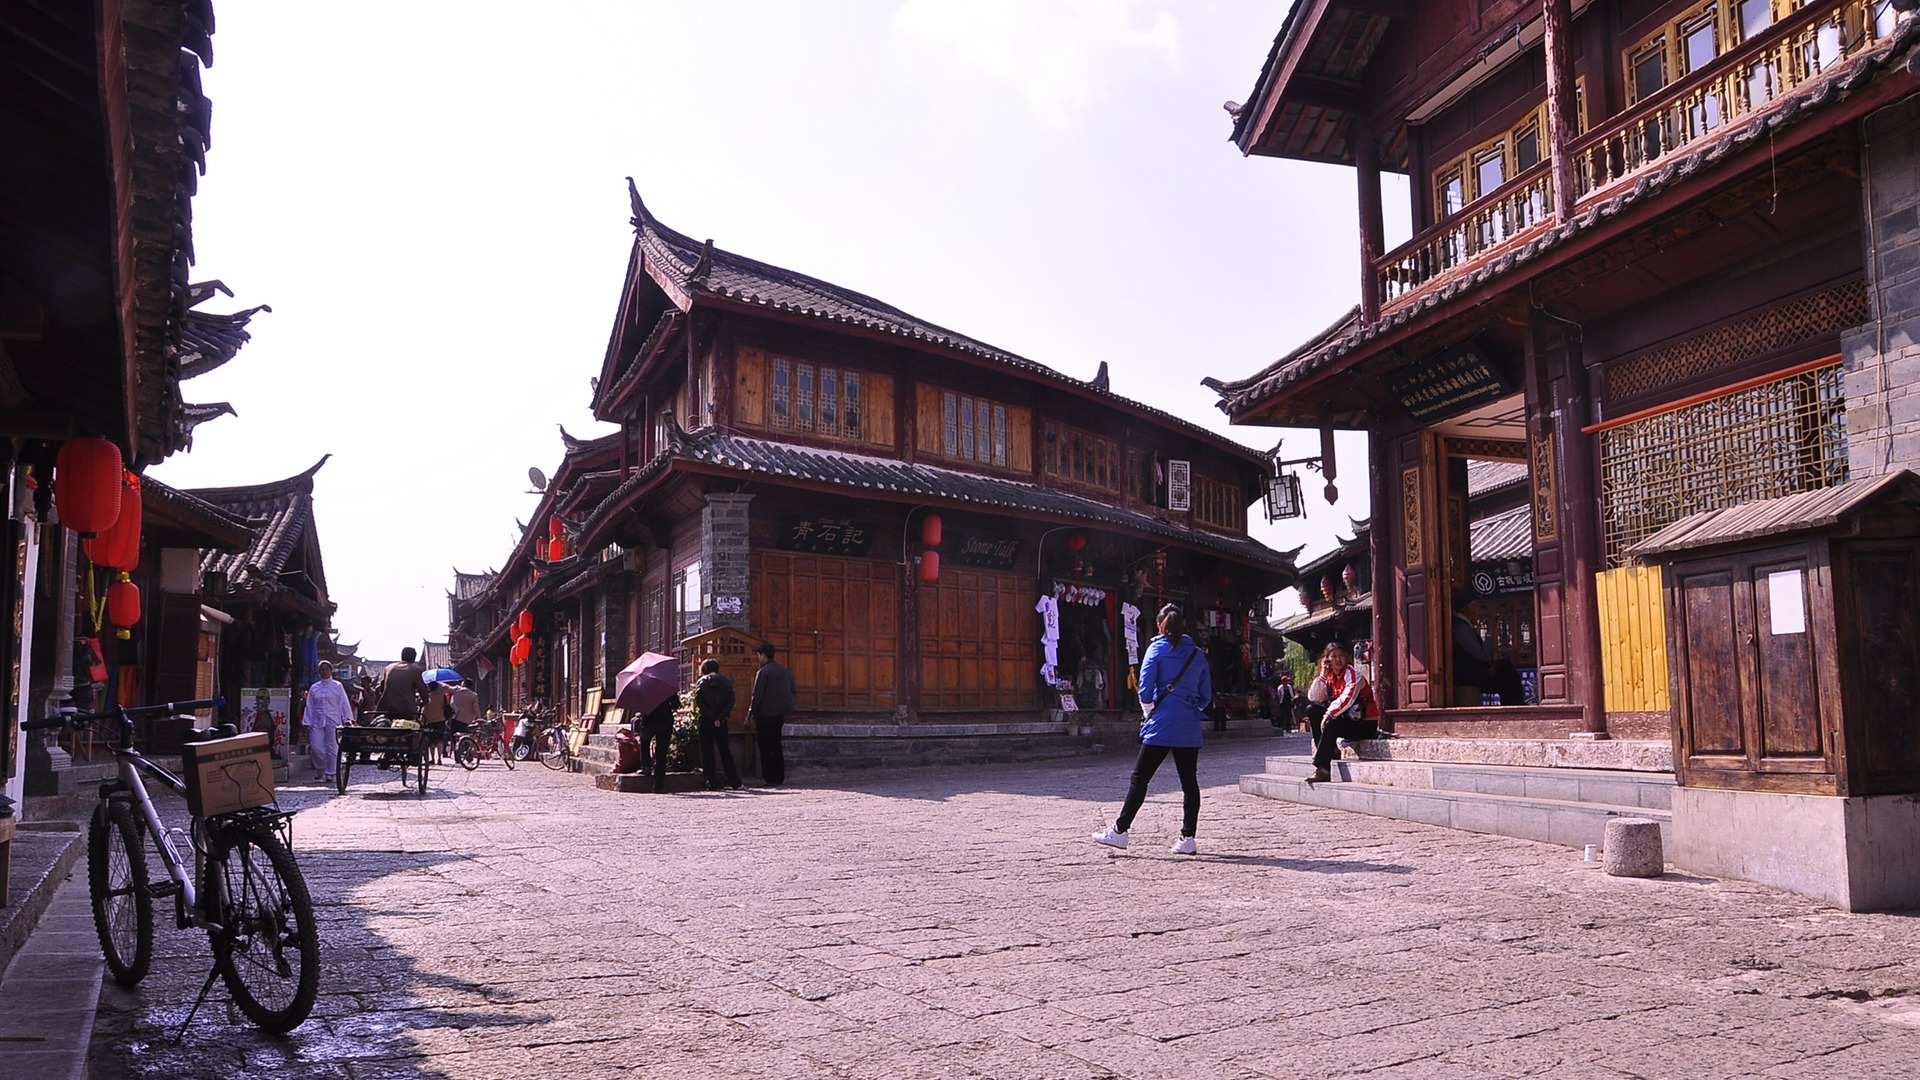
x,y
132,763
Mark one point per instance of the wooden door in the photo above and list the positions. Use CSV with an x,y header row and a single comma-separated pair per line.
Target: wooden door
x,y
833,622
978,636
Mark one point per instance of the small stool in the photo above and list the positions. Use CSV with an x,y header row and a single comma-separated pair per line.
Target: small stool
x,y
6,856
1633,848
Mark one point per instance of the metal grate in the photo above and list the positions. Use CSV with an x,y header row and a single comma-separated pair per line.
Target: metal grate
x,y
1762,442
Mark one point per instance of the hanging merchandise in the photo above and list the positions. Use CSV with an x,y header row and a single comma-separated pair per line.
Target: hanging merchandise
x,y
1049,610
87,485
1130,628
118,546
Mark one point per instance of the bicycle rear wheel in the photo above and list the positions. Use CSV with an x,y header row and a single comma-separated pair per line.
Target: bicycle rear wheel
x,y
551,749
117,884
265,944
506,754
466,753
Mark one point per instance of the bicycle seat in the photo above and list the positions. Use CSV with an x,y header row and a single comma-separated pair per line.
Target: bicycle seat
x,y
199,735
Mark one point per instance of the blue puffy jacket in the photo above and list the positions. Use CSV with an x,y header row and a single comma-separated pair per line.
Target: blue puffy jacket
x,y
1179,706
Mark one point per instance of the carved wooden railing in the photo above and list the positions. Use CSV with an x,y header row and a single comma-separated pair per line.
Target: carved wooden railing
x,y
1738,86
1483,225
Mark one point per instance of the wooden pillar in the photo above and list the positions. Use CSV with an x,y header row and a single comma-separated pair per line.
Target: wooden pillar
x,y
1558,15
1386,670
1585,557
1366,161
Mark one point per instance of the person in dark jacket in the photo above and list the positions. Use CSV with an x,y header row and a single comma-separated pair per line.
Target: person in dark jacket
x,y
1175,689
772,701
656,733
712,705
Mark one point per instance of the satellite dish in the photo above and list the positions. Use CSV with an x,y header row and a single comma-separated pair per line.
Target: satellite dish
x,y
538,478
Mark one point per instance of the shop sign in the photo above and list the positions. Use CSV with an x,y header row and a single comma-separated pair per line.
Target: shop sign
x,y
1492,580
985,549
540,666
826,536
1449,382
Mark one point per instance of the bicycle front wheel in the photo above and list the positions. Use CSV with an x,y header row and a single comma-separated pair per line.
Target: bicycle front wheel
x,y
551,749
117,883
466,753
265,944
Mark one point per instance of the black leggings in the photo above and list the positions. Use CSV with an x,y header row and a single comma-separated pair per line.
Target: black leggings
x,y
1187,760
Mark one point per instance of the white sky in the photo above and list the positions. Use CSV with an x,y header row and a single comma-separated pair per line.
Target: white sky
x,y
431,196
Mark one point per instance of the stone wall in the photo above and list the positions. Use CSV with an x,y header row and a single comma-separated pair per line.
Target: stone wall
x,y
1882,358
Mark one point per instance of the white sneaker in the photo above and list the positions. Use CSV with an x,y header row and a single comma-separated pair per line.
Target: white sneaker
x,y
1110,837
1184,846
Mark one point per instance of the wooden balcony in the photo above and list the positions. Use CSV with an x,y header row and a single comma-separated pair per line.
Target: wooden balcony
x,y
1741,85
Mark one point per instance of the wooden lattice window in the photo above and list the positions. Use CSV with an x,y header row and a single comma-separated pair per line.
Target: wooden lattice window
x,y
1836,309
1760,441
1219,504
1082,456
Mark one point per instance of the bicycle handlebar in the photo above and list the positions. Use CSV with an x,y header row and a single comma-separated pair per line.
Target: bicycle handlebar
x,y
78,719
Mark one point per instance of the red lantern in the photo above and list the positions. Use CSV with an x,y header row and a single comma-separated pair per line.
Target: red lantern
x,y
1326,586
118,546
1076,542
554,527
525,623
1350,575
123,605
930,566
930,530
556,549
1223,581
86,485
522,650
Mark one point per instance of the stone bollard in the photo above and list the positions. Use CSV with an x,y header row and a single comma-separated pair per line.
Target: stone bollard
x,y
1632,848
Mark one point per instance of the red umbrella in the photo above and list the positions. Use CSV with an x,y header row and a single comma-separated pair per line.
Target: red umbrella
x,y
642,685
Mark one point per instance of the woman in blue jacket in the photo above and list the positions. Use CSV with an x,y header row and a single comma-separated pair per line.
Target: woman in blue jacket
x,y
1175,690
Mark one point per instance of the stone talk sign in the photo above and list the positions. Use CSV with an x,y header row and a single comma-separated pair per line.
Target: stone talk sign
x,y
1449,382
826,536
985,549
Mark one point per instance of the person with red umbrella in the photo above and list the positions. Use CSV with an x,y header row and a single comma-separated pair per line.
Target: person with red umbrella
x,y
649,688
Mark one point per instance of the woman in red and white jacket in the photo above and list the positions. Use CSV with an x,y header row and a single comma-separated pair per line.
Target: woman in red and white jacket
x,y
1350,708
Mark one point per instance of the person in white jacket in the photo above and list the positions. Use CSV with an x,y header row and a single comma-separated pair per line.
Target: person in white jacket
x,y
327,709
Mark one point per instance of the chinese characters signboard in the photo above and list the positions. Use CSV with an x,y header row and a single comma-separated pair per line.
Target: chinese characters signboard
x,y
826,536
1449,382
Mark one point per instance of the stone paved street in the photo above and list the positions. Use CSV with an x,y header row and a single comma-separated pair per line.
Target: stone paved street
x,y
958,923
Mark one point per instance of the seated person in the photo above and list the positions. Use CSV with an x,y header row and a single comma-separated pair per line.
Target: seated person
x,y
1349,708
1472,656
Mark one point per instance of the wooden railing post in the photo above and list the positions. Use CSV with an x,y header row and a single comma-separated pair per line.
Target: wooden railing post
x,y
1560,101
1366,162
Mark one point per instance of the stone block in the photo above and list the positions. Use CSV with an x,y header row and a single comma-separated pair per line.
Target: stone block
x,y
1633,848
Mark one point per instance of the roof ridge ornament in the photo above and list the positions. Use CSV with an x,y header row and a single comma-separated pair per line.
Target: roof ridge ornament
x,y
705,266
641,217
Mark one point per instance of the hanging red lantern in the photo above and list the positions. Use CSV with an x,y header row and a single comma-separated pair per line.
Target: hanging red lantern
x,y
522,650
86,485
554,526
930,567
1076,541
1350,575
1223,581
556,549
525,623
1326,586
118,546
123,605
930,530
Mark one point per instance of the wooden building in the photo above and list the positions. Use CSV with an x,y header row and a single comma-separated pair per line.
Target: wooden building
x,y
1660,257
889,503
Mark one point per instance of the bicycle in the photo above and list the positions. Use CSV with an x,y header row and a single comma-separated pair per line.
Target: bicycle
x,y
543,736
486,742
244,887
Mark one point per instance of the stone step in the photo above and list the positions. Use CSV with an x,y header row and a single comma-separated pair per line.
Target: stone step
x,y
1566,822
1611,787
1626,755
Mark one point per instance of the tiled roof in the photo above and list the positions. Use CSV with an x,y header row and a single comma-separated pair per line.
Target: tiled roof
x,y
194,511
862,473
1502,536
697,269
468,586
208,340
1773,517
1307,620
281,513
1486,476
1349,335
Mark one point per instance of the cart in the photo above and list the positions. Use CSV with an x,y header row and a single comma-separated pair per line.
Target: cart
x,y
385,748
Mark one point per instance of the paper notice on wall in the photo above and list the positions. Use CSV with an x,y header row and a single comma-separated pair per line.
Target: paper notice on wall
x,y
1786,599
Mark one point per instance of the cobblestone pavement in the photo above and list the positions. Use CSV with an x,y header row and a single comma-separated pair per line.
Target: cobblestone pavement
x,y
957,922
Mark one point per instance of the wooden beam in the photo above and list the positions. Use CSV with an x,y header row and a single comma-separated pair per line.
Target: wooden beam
x,y
1558,15
1366,160
37,424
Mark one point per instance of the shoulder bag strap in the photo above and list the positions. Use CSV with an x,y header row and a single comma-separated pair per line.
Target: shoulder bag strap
x,y
1182,672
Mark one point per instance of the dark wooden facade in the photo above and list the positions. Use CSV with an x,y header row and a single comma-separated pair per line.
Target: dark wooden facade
x,y
1641,247
786,451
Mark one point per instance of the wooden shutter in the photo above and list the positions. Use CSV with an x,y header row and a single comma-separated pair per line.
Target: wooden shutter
x,y
1019,439
750,386
876,397
833,620
177,660
977,642
928,431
